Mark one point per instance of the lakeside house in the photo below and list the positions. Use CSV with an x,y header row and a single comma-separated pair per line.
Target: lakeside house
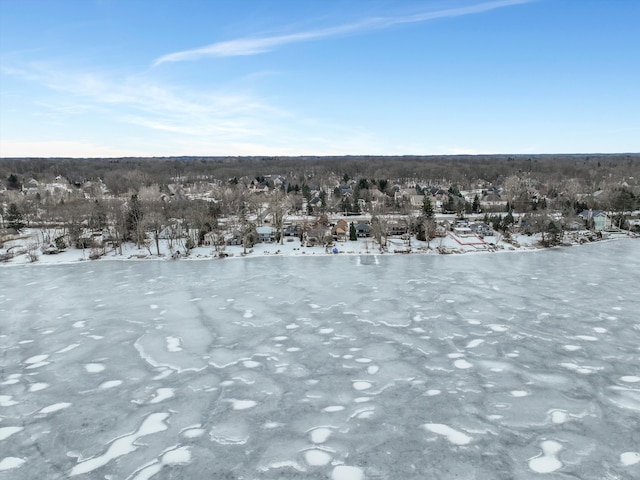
x,y
598,218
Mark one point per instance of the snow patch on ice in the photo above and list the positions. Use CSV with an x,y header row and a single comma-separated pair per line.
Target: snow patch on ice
x,y
154,423
474,343
193,432
6,432
320,434
55,407
94,367
178,456
462,364
36,361
174,344
629,458
454,436
9,463
317,458
333,408
571,348
162,394
361,399
587,338
110,384
37,365
5,401
361,385
68,348
498,328
345,472
242,404
548,462
38,386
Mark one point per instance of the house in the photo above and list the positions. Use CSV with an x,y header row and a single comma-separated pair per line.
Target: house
x,y
266,234
575,225
315,202
30,187
345,190
447,225
397,229
441,231
292,231
247,237
172,232
481,229
261,187
363,230
463,231
492,199
596,218
340,231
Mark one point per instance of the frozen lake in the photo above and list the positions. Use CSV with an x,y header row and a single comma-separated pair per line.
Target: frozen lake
x,y
495,366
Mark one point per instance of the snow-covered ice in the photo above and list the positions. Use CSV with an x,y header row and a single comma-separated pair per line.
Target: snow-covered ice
x,y
515,366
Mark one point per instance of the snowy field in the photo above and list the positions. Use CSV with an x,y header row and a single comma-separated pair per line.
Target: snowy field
x,y
343,367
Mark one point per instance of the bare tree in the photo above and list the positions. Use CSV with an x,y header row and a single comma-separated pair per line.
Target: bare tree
x,y
380,230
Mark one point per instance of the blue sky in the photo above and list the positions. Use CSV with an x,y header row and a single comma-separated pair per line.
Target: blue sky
x,y
309,77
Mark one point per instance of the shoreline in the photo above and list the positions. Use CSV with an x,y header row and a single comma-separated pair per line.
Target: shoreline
x,y
447,246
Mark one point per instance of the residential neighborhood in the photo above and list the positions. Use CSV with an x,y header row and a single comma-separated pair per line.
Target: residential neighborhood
x,y
395,214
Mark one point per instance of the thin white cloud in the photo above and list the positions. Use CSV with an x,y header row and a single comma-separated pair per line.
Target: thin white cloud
x,y
143,102
178,120
257,45
63,148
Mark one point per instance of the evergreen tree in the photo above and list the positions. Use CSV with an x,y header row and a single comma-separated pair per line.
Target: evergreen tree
x,y
507,221
13,183
135,230
15,218
421,232
323,199
353,235
363,184
496,223
475,208
555,235
427,208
